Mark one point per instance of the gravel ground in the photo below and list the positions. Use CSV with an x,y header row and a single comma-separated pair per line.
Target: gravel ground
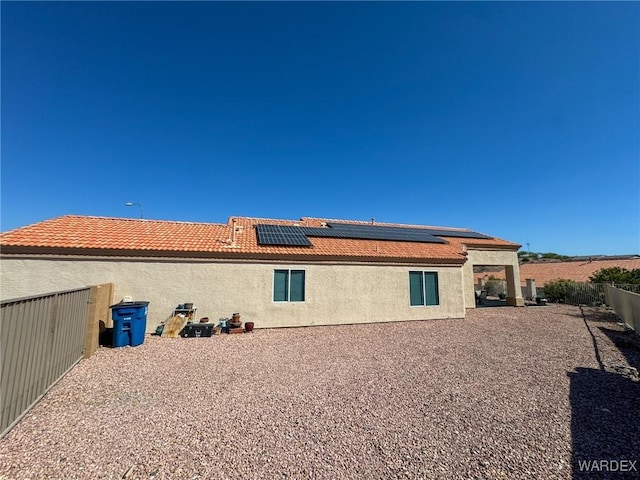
x,y
505,393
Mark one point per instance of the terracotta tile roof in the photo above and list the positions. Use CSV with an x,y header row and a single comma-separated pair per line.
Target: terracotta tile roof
x,y
80,232
99,235
578,271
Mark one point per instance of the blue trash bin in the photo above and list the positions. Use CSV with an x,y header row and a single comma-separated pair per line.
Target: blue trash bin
x,y
129,323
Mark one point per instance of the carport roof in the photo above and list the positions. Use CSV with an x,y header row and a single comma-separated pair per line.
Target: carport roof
x,y
89,235
576,270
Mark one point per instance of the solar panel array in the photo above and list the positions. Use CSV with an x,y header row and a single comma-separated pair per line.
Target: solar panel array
x,y
298,236
378,232
281,235
457,233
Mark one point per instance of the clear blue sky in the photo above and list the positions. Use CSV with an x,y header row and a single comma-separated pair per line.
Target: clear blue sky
x,y
520,120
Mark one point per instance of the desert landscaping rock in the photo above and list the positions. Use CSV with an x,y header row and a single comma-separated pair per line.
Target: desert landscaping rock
x,y
505,393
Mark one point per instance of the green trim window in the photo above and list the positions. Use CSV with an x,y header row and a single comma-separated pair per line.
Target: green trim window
x,y
288,285
423,289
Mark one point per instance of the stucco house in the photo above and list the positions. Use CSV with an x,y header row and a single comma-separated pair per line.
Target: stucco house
x,y
275,273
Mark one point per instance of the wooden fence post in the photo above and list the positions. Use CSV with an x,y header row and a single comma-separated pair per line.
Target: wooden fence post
x,y
100,298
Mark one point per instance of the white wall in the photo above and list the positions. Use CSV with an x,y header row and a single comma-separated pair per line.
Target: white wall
x,y
338,293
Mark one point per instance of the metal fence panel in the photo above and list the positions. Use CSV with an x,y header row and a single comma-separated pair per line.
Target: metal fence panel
x,y
629,287
41,338
626,304
592,294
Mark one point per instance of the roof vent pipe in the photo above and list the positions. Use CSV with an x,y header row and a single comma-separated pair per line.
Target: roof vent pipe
x,y
233,232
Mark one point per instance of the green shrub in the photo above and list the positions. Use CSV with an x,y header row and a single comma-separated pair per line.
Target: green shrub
x,y
616,275
557,290
492,286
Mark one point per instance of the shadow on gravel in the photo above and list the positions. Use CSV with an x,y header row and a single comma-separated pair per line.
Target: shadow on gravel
x,y
605,431
605,409
627,343
596,314
491,303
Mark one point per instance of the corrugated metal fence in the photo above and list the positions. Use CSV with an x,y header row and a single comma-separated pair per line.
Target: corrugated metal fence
x,y
626,304
41,338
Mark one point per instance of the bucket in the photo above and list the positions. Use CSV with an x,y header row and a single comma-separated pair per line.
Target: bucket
x,y
248,327
236,317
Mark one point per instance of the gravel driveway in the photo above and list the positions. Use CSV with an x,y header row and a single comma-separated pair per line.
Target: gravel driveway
x,y
505,393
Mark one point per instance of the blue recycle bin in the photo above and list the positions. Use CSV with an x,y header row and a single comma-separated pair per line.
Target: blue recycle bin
x,y
129,323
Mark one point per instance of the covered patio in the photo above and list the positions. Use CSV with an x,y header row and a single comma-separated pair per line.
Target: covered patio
x,y
494,258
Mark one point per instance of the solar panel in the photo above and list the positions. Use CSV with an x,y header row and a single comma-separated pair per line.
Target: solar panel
x,y
315,231
297,236
457,233
403,233
281,235
379,232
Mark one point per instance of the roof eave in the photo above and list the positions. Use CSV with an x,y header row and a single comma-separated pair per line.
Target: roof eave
x,y
93,252
480,246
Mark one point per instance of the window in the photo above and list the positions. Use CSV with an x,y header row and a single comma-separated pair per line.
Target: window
x,y
423,289
288,286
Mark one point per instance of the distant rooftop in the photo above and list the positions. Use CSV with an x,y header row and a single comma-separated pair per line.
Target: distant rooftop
x,y
576,270
594,258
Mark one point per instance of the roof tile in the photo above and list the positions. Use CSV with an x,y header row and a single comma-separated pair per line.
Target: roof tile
x,y
80,233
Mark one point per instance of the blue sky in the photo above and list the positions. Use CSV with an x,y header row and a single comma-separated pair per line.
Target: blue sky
x,y
520,120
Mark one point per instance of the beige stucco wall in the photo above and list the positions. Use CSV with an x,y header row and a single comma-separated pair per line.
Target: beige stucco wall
x,y
335,293
489,257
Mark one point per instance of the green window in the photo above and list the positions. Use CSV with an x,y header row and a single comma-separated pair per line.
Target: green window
x,y
281,285
288,286
423,289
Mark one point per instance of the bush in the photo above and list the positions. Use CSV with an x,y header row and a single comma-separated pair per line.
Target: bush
x,y
616,275
557,290
492,286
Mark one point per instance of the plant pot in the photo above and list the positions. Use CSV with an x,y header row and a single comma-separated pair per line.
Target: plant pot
x,y
248,327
